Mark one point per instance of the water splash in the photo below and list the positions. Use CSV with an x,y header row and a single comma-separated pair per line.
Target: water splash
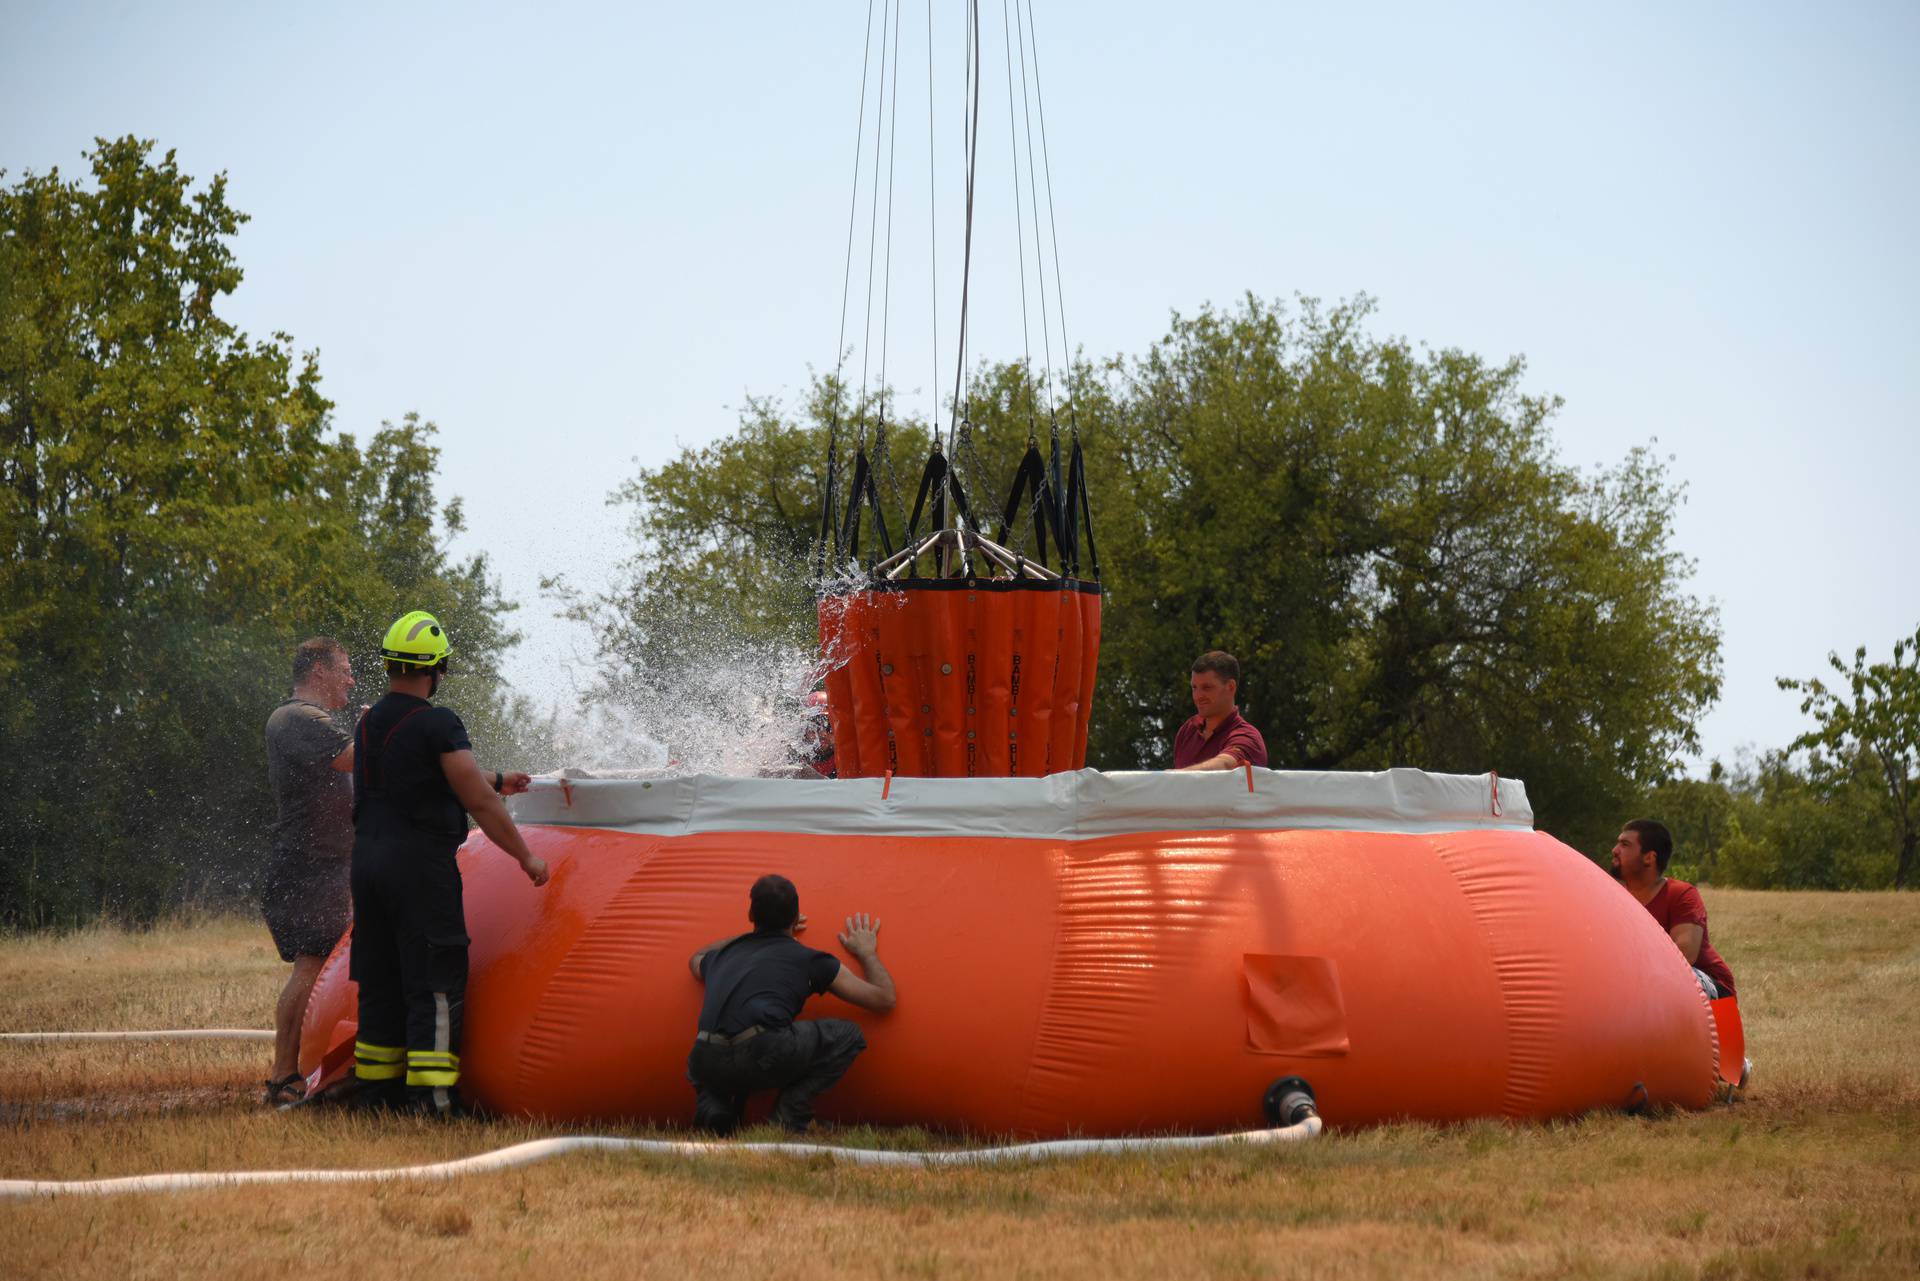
x,y
698,698
738,709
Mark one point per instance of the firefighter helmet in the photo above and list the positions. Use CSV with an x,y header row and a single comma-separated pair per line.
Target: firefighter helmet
x,y
417,640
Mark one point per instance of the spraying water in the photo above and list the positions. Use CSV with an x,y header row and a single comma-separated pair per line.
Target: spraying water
x,y
696,697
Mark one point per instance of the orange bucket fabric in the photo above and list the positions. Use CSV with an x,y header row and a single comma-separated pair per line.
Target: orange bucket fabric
x,y
958,678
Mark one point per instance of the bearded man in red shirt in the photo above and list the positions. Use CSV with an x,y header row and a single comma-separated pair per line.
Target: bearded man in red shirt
x,y
1640,858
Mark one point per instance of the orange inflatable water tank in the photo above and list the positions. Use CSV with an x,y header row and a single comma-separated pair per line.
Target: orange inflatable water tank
x,y
1086,953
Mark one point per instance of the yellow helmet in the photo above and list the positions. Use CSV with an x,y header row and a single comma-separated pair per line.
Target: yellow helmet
x,y
416,639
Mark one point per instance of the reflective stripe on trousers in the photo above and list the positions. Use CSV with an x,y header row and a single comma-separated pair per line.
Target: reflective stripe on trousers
x,y
439,1067
378,1062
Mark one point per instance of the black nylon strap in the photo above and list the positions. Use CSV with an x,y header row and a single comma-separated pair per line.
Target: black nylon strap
x,y
932,480
1079,470
1031,478
864,489
829,532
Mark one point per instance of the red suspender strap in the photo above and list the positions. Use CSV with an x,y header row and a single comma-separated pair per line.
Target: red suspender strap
x,y
372,781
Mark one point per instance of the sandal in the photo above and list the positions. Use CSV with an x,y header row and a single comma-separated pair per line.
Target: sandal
x,y
286,1090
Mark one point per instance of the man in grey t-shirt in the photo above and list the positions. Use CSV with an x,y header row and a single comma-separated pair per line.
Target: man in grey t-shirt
x,y
305,896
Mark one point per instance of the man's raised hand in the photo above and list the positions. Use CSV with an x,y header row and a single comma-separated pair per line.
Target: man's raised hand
x,y
861,938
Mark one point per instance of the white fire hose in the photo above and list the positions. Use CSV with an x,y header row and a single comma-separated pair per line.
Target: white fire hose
x,y
542,1149
1296,1107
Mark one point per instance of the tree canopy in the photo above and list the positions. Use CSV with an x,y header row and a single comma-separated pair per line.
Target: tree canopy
x,y
1769,824
1383,535
177,513
1866,735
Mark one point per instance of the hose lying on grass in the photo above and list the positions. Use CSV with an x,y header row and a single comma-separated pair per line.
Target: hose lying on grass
x,y
541,1149
1291,1100
164,1034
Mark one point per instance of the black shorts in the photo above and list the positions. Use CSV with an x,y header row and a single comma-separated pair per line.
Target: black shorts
x,y
307,908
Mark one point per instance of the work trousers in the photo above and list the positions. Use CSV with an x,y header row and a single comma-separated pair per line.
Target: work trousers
x,y
410,959
800,1061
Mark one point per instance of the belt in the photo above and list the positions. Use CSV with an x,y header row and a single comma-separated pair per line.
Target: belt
x,y
720,1038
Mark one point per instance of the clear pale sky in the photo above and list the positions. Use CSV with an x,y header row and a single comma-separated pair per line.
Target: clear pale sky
x,y
576,236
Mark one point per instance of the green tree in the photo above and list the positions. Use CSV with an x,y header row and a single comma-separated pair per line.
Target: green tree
x,y
1771,824
1867,730
1383,536
724,537
1702,814
1747,861
1827,831
176,513
1408,575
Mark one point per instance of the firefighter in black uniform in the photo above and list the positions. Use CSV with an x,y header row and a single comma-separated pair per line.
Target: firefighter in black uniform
x,y
414,783
750,1037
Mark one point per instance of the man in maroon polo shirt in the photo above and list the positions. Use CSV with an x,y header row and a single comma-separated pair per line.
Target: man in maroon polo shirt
x,y
1640,858
1218,736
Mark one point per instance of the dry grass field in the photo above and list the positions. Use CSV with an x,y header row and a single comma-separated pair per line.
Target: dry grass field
x,y
1817,1174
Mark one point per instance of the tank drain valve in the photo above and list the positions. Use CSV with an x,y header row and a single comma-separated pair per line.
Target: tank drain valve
x,y
1289,1101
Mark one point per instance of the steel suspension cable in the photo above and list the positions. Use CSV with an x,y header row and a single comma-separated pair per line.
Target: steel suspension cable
x,y
1077,509
886,276
873,228
971,137
829,521
1033,195
968,75
853,204
1053,229
933,236
1019,232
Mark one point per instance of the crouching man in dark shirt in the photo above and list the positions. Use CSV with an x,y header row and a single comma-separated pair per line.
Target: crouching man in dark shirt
x,y
749,1039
